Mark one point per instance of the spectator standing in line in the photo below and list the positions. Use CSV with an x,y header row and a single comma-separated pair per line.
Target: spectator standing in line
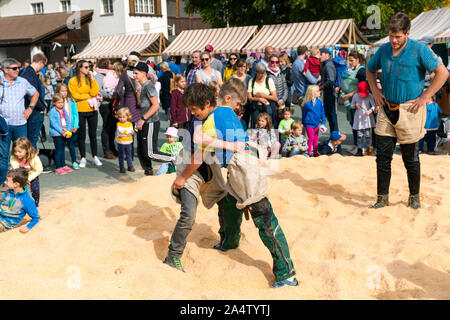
x,y
13,90
300,80
268,51
328,75
193,67
215,63
36,119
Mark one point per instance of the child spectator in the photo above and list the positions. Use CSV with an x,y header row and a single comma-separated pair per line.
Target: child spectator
x,y
332,145
364,121
61,131
17,202
296,142
313,63
48,93
25,156
431,125
124,139
313,118
111,78
171,147
70,107
284,127
181,117
265,137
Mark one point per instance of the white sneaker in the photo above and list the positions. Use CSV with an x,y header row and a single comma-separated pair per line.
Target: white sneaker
x,y
83,163
97,161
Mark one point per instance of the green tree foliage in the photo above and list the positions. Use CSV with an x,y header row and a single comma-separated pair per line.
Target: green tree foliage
x,y
260,12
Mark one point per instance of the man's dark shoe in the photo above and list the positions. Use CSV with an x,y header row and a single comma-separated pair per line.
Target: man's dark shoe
x,y
414,201
382,201
174,263
131,169
359,153
47,169
148,172
122,170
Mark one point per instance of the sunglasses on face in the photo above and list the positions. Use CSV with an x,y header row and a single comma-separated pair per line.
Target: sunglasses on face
x,y
233,58
13,68
205,59
274,62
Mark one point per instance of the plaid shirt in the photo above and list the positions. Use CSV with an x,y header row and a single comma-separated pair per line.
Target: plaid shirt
x,y
190,79
12,100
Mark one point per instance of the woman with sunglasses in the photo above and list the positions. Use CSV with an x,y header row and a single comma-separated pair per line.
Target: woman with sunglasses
x,y
230,68
83,87
207,74
274,73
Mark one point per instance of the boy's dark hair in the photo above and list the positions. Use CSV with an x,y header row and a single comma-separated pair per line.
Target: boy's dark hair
x,y
19,175
399,22
197,94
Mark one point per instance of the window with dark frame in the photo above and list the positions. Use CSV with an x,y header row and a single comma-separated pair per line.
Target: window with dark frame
x,y
108,7
65,5
145,8
38,8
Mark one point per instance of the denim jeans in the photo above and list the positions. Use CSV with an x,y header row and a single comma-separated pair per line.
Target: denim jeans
x,y
34,125
60,143
5,147
184,224
125,153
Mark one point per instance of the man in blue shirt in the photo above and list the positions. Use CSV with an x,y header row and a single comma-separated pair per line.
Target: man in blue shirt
x,y
36,119
13,90
401,103
300,80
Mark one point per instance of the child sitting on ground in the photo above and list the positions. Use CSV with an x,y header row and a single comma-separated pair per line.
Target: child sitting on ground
x,y
333,145
296,142
364,121
17,202
265,137
284,127
172,147
124,139
61,132
25,156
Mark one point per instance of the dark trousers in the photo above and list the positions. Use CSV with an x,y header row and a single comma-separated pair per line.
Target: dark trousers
x,y
125,153
71,145
410,156
34,125
147,147
330,110
35,190
91,118
108,128
430,139
60,144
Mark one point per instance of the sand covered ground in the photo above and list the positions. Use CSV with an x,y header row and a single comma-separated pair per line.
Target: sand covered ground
x,y
109,242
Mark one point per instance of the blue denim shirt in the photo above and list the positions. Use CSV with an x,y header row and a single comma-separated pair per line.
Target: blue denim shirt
x,y
12,100
403,76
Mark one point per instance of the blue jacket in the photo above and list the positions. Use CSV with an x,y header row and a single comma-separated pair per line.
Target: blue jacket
x,y
313,114
433,111
74,118
15,206
33,79
55,122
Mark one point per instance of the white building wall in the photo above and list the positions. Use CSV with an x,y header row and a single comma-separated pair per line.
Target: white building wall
x,y
102,25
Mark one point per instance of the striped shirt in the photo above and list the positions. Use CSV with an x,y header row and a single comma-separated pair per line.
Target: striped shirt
x,y
190,78
124,129
12,100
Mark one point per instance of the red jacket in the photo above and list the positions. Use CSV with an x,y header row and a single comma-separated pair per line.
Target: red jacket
x,y
177,111
313,65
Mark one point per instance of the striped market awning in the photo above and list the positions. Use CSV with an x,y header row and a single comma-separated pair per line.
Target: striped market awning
x,y
223,40
117,46
433,23
443,37
312,34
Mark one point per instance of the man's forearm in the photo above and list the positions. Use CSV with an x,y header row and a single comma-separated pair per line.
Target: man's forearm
x,y
437,83
34,99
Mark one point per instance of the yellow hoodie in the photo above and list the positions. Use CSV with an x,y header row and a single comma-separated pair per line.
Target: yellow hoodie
x,y
83,92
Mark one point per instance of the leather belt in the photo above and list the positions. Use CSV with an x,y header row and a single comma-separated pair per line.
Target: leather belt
x,y
392,106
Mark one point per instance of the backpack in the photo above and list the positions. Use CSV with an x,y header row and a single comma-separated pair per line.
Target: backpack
x,y
341,66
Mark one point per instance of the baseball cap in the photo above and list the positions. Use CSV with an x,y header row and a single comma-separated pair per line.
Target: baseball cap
x,y
135,53
427,40
172,131
336,135
363,89
324,50
141,66
209,48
